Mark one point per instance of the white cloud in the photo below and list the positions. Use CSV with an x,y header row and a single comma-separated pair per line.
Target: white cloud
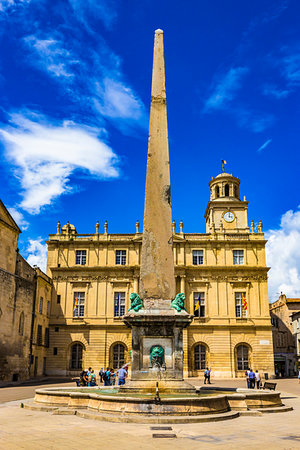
x,y
18,218
264,145
225,89
94,81
45,154
6,4
51,56
283,256
87,9
253,120
115,100
291,68
37,253
276,92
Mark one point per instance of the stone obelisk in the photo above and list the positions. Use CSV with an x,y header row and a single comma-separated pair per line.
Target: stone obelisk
x,y
157,279
157,352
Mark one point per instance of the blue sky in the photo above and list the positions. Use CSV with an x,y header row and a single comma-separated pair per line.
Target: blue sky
x,y
75,79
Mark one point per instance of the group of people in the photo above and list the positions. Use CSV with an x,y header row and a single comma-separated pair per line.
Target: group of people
x,y
252,379
87,378
108,377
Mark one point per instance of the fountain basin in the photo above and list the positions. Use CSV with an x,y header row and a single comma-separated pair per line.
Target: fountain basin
x,y
205,402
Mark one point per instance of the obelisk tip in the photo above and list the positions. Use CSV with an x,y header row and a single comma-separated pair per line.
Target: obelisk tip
x,y
159,31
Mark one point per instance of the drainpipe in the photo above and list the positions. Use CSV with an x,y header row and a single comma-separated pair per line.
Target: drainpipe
x,y
32,321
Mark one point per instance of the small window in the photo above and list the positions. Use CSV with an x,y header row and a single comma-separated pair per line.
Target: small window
x,y
240,304
46,337
81,257
56,329
217,191
48,309
238,257
197,257
199,304
242,353
121,257
76,356
21,324
41,306
119,304
58,299
118,356
78,306
199,357
39,336
54,350
226,190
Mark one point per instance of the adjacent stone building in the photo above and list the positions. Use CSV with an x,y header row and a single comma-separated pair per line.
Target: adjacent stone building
x,y
283,338
295,319
222,272
21,351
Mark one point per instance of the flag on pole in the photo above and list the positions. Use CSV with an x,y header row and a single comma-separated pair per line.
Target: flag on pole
x,y
197,306
245,304
223,162
76,303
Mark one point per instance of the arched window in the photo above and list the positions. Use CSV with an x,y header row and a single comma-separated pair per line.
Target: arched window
x,y
118,356
76,356
236,192
21,324
217,191
242,354
226,190
199,357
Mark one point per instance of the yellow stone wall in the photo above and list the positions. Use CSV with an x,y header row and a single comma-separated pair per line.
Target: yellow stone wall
x,y
39,350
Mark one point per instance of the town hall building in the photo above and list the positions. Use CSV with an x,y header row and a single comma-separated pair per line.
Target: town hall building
x,y
222,273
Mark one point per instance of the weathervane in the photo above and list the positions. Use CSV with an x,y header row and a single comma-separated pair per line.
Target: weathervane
x,y
223,163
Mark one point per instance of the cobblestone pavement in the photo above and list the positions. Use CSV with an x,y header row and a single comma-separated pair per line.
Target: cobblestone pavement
x,y
26,429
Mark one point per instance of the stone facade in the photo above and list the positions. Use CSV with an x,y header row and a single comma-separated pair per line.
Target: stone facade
x,y
284,342
218,268
19,285
295,319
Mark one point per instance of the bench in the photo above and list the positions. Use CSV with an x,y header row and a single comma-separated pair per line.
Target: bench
x,y
268,385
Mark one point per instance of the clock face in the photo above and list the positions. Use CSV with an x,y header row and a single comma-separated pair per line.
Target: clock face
x,y
229,216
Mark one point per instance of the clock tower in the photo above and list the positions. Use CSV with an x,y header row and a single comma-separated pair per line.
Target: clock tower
x,y
225,211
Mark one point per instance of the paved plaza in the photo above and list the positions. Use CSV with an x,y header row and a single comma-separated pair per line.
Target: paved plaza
x,y
26,429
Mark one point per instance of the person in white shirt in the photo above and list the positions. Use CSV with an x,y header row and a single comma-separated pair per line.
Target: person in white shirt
x,y
257,378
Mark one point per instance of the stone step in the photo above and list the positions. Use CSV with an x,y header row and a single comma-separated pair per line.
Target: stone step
x,y
157,419
36,407
279,409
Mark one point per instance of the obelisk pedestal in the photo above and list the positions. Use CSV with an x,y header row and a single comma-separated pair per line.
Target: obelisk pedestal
x,y
157,327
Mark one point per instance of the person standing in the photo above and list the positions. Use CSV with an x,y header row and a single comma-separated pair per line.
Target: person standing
x,y
251,379
247,377
106,377
257,378
122,374
112,377
207,375
101,374
299,375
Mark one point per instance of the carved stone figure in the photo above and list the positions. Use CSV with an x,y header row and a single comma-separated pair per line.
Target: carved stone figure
x,y
178,302
135,302
157,356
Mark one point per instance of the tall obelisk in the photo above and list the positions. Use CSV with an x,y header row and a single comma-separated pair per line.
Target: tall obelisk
x,y
157,279
156,325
